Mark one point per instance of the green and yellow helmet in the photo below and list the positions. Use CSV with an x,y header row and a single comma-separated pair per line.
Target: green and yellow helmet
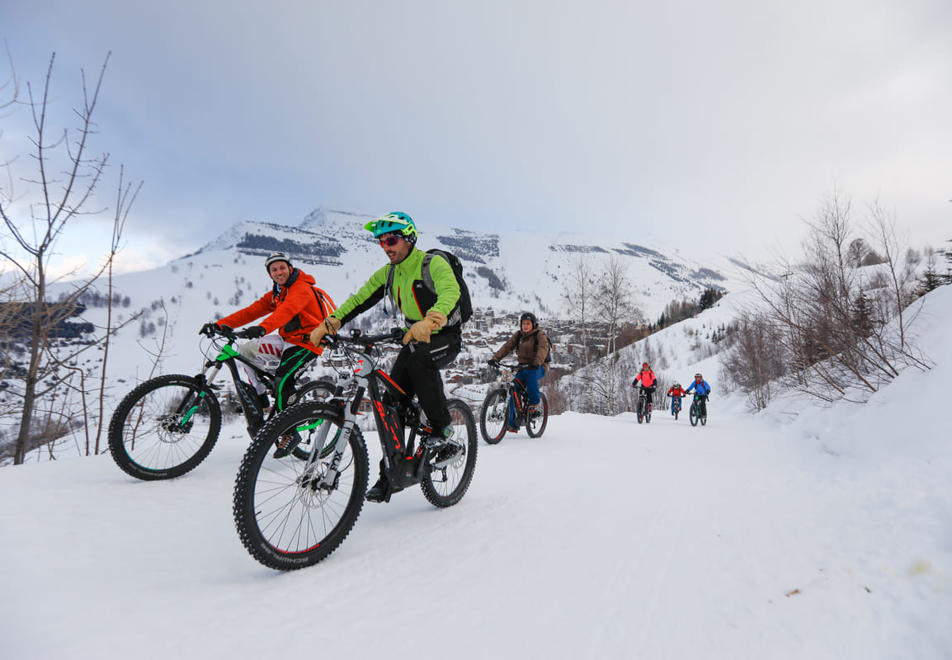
x,y
393,222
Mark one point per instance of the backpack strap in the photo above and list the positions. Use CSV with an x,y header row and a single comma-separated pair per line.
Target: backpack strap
x,y
388,295
324,301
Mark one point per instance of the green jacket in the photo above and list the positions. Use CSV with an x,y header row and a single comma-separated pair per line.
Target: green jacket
x,y
409,293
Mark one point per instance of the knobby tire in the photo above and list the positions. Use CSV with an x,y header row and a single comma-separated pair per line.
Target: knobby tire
x,y
535,425
494,416
283,515
150,440
446,486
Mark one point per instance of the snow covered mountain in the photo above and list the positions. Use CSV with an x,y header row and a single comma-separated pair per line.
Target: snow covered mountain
x,y
506,273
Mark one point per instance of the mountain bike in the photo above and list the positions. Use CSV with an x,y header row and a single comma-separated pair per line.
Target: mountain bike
x,y
508,394
698,412
167,425
294,511
675,406
644,407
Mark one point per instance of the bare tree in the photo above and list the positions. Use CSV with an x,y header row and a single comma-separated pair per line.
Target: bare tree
x,y
579,290
10,88
124,200
62,189
839,328
756,360
613,308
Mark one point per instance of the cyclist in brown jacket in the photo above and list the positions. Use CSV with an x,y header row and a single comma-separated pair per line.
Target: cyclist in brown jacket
x,y
532,347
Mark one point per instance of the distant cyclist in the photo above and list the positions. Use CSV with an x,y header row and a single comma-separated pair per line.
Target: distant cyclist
x,y
676,392
701,391
531,346
647,380
294,308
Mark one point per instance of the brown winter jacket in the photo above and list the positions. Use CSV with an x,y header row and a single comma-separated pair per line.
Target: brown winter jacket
x,y
527,351
294,310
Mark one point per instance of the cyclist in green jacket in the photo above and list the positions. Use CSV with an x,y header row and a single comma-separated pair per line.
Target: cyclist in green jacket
x,y
430,343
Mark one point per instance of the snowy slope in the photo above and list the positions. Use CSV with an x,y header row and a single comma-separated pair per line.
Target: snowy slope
x,y
828,536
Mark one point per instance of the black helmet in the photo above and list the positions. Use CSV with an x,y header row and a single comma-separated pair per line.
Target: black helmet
x,y
531,317
277,256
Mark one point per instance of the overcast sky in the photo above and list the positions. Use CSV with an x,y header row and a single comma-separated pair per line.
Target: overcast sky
x,y
702,124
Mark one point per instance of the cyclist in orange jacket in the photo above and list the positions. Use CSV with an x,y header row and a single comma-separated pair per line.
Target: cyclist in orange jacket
x,y
293,308
648,381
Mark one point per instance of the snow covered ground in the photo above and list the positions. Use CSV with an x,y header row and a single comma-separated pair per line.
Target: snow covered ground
x,y
803,532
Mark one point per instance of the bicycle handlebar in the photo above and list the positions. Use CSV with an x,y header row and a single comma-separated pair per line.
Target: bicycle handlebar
x,y
219,331
394,336
513,366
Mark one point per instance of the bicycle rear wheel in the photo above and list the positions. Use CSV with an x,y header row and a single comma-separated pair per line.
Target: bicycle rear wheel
x,y
291,513
164,428
445,486
536,422
494,415
318,391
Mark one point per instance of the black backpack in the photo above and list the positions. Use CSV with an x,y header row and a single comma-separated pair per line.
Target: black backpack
x,y
548,352
463,311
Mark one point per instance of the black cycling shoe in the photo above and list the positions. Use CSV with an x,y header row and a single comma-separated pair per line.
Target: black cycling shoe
x,y
380,491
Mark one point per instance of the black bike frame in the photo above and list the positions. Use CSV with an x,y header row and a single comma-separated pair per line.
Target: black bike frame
x,y
516,392
391,424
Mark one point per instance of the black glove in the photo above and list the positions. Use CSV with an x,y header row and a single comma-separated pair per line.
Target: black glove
x,y
493,363
253,332
533,365
226,330
209,329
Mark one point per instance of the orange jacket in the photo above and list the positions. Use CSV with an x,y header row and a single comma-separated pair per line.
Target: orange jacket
x,y
293,310
676,391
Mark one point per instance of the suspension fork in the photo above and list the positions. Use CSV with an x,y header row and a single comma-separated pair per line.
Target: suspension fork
x,y
203,380
329,481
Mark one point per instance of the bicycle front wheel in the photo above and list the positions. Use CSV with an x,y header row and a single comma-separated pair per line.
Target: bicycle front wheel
x,y
164,428
692,415
494,415
292,513
445,486
537,421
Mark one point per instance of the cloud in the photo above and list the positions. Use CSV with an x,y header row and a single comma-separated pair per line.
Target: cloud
x,y
699,124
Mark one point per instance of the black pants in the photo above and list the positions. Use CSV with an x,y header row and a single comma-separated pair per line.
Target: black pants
x,y
292,360
417,371
649,393
702,405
